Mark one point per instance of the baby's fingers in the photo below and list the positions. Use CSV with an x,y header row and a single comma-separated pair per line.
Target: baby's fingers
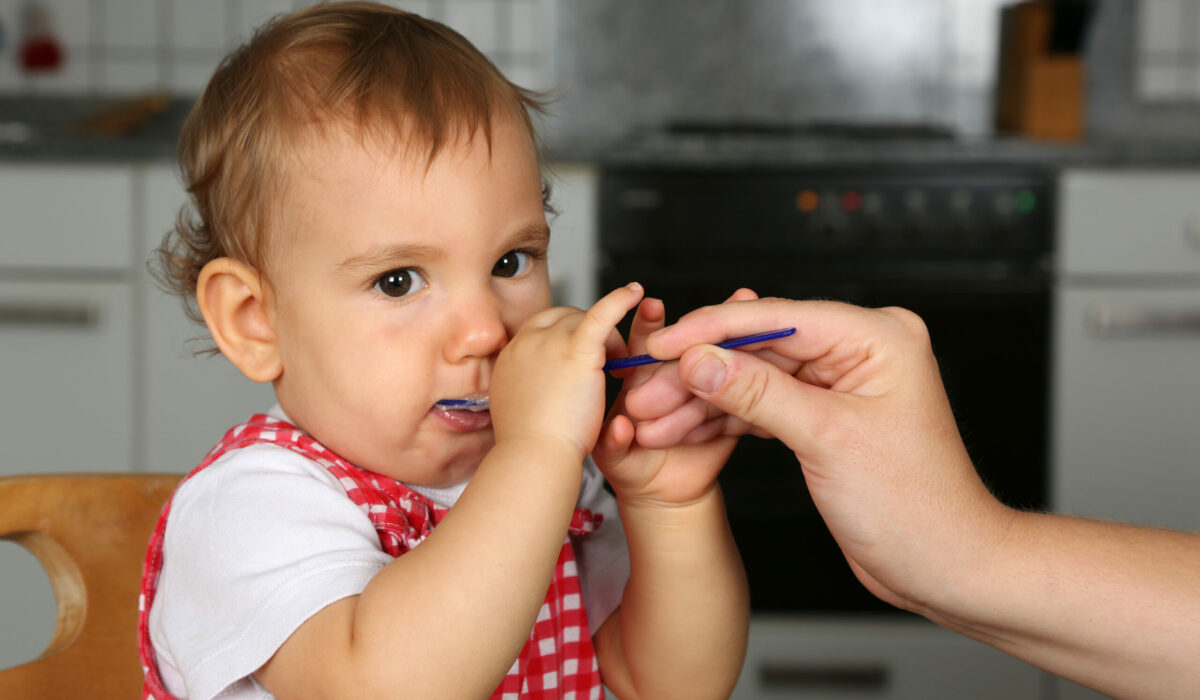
x,y
596,327
650,317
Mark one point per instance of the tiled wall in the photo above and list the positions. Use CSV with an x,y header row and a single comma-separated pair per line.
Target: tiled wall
x,y
129,46
1168,50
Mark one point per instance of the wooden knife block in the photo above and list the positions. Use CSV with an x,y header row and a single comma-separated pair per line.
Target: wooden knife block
x,y
1039,95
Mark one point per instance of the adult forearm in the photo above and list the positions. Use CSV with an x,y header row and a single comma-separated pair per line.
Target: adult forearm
x,y
684,616
1114,607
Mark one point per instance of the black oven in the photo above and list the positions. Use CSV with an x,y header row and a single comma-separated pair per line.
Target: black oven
x,y
966,247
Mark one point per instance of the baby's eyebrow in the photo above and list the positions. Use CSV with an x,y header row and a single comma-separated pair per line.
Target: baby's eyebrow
x,y
533,234
389,254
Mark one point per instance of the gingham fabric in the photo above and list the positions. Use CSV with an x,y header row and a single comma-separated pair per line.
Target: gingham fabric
x,y
557,661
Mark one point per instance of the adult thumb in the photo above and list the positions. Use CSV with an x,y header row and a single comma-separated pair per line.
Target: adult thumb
x,y
754,390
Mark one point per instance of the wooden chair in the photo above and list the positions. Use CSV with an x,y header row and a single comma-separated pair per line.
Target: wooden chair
x,y
90,533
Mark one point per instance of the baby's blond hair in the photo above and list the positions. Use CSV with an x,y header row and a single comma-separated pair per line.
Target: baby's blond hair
x,y
387,75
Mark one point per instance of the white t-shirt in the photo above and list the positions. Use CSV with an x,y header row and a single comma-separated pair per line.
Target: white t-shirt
x,y
263,538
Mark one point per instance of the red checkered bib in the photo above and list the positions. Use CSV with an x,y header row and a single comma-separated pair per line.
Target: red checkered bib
x,y
557,661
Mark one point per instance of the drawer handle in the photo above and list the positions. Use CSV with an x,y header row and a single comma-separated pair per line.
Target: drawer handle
x,y
1191,233
839,678
1105,321
48,314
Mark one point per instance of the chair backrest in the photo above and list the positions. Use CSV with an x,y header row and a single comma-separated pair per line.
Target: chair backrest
x,y
90,533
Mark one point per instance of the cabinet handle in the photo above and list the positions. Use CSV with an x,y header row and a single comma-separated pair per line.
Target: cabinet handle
x,y
1105,321
48,314
829,678
1191,232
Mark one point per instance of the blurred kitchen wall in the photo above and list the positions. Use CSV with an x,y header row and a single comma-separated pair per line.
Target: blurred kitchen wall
x,y
627,64
634,63
129,46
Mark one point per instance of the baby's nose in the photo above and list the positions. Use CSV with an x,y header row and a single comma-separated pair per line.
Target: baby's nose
x,y
477,329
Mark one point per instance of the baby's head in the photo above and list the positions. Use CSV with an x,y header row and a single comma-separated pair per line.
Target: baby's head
x,y
368,229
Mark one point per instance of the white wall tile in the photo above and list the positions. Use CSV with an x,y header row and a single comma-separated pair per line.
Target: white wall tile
x,y
71,78
8,72
1159,82
116,46
532,76
121,76
425,8
71,21
1160,25
252,13
529,26
197,25
190,75
130,24
476,20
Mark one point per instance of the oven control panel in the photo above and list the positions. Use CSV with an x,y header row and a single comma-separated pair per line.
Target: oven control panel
x,y
917,212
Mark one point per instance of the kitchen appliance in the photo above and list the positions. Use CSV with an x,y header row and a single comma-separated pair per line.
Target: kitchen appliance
x,y
967,246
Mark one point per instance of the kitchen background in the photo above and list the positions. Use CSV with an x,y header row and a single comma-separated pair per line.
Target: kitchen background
x,y
642,87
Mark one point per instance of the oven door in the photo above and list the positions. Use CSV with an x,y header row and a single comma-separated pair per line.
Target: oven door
x,y
989,328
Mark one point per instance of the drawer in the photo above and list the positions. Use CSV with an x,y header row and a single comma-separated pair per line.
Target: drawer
x,y
1129,222
1125,400
66,217
66,368
799,658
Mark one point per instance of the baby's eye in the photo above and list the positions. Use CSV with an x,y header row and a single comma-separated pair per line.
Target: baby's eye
x,y
402,282
512,264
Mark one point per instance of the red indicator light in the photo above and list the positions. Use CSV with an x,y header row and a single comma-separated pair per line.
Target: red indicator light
x,y
851,201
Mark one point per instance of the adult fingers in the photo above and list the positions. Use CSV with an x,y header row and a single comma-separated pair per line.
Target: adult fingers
x,y
759,393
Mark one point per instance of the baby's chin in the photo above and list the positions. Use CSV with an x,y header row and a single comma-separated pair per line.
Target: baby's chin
x,y
455,467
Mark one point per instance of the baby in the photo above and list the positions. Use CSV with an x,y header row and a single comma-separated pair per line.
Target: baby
x,y
369,235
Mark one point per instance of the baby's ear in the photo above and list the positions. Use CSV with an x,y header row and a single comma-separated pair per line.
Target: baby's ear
x,y
231,298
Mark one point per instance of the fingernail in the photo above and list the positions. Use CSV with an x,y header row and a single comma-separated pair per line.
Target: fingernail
x,y
708,374
634,286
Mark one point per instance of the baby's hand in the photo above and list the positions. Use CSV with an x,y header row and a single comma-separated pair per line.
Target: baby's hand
x,y
548,383
666,413
676,454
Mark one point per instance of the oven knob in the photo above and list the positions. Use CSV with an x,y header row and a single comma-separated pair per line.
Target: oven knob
x,y
960,202
914,200
1002,203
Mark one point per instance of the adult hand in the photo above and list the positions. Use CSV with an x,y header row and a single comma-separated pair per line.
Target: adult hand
x,y
856,394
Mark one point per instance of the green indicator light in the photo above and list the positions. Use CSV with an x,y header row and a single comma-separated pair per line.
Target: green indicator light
x,y
1025,201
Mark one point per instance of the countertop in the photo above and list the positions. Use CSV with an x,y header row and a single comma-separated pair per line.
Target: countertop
x,y
701,152
42,130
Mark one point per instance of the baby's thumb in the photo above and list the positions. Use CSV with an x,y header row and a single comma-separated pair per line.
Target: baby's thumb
x,y
753,390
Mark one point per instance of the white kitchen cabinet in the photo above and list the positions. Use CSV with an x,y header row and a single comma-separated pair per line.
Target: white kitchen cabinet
x,y
189,400
1126,370
67,373
801,658
60,218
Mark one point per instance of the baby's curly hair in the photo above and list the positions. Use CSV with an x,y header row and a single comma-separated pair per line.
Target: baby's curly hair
x,y
390,76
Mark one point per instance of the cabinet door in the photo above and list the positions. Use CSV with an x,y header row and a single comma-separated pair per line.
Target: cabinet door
x,y
876,660
66,368
1129,223
1126,399
189,399
66,217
